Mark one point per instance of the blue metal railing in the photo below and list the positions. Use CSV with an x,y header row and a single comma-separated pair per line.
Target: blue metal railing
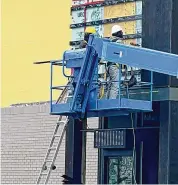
x,y
85,80
63,67
97,84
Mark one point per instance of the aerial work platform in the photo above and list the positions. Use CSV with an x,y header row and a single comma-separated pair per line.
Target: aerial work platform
x,y
82,99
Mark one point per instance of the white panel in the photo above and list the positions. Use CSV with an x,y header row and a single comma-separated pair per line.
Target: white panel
x,y
139,41
94,14
139,12
139,29
77,34
99,30
139,26
138,7
77,16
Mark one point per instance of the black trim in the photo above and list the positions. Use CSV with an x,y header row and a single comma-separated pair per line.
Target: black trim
x,y
106,3
130,36
106,21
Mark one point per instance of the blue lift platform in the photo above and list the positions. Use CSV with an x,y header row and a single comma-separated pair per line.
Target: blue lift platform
x,y
82,100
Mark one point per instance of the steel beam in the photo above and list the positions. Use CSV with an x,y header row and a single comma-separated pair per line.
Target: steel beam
x,y
143,58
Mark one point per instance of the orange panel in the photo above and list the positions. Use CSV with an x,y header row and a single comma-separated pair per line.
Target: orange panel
x,y
121,10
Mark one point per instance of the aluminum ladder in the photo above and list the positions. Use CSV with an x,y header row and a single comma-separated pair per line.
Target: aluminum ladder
x,y
48,164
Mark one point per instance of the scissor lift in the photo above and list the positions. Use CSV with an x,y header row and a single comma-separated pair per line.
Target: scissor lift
x,y
84,101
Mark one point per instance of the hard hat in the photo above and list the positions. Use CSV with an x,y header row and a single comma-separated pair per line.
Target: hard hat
x,y
115,29
91,30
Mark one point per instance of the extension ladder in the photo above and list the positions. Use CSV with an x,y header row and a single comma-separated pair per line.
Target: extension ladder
x,y
48,164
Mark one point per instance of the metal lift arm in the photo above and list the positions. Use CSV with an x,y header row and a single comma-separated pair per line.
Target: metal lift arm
x,y
142,58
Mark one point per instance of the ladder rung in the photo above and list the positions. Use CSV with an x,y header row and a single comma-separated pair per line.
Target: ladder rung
x,y
59,122
48,160
57,135
44,173
69,96
52,148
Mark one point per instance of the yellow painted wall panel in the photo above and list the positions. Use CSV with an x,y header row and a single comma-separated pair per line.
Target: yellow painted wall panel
x,y
120,10
32,30
128,28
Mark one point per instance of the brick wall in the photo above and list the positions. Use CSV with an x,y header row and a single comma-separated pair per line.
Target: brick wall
x,y
26,132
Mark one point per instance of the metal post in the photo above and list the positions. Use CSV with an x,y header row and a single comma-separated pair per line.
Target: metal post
x,y
51,85
141,161
97,89
151,88
75,145
120,74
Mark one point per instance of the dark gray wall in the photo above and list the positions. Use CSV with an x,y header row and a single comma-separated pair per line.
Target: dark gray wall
x,y
160,30
168,157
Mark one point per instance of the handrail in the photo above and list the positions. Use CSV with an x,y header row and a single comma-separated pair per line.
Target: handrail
x,y
61,87
63,70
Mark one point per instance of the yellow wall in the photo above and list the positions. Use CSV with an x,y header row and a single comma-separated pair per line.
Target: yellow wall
x,y
32,30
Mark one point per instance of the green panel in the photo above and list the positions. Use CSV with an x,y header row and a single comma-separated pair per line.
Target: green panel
x,y
120,170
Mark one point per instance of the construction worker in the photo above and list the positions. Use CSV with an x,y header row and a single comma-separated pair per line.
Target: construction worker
x,y
88,32
113,68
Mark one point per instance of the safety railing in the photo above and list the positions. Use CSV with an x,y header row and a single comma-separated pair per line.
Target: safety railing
x,y
65,90
128,92
135,92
